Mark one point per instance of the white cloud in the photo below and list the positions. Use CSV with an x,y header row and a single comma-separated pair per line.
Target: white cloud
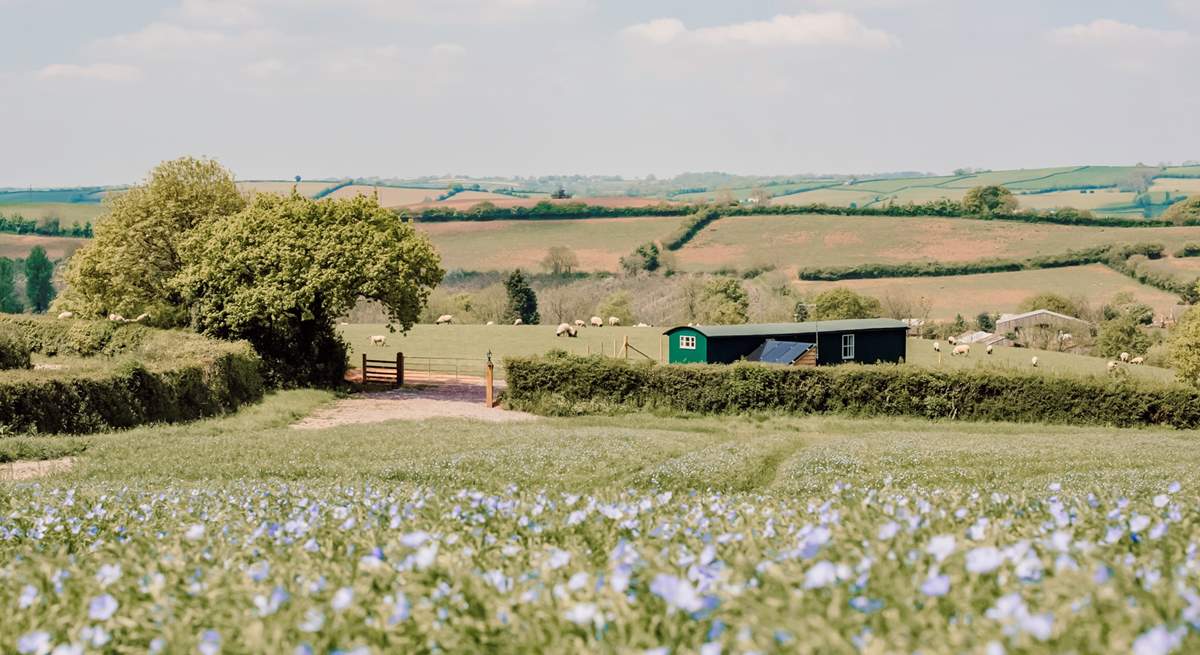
x,y
1111,33
162,36
221,12
96,72
813,29
264,68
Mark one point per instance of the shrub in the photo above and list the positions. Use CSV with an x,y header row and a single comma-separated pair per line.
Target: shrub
x,y
1188,250
887,390
14,349
838,304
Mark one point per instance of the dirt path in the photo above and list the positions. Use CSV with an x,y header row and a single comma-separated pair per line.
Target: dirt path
x,y
461,400
28,470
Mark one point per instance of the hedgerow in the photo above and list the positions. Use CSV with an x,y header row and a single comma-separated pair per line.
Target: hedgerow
x,y
156,377
940,269
690,228
14,349
1188,250
565,384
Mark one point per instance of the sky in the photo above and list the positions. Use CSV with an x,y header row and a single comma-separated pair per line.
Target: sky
x,y
99,92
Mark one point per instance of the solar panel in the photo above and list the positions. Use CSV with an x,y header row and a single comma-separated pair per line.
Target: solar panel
x,y
779,352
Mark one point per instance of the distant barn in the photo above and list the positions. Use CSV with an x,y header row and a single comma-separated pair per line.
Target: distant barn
x,y
865,341
1043,319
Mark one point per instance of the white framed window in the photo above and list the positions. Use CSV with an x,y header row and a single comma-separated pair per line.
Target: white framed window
x,y
687,342
847,346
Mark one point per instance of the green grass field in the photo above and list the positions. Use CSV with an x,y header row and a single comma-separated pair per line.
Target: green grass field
x,y
1095,200
66,212
504,245
604,534
284,187
791,242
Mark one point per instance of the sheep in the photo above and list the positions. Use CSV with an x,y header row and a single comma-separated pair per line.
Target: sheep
x,y
990,348
1112,366
1034,361
563,328
579,323
117,318
613,321
445,319
379,340
1138,361
952,340
1124,357
643,325
66,316
141,317
491,322
518,322
962,349
597,321
937,346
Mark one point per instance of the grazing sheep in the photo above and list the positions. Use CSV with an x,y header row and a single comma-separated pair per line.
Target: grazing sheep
x,y
643,325
1034,361
518,322
445,319
597,321
378,340
1113,366
1138,361
141,317
990,348
937,346
1124,357
579,323
613,321
117,318
66,315
963,349
563,328
491,322
952,341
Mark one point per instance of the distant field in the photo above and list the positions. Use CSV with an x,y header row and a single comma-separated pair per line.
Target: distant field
x,y
1184,185
1096,176
811,240
1003,292
1093,200
17,246
838,196
1005,177
502,245
921,195
66,212
389,196
1183,171
1186,267
745,192
304,188
897,184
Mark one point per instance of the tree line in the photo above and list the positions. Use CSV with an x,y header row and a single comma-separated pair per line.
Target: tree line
x,y
38,271
46,226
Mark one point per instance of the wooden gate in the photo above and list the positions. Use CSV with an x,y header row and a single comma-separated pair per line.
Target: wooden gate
x,y
382,371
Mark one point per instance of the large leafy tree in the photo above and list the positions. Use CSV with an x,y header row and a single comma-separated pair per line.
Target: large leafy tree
x,y
1122,334
280,272
1185,347
129,265
9,302
987,200
39,279
723,301
522,301
840,303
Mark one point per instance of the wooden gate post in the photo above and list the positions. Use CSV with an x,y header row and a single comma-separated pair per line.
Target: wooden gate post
x,y
625,347
364,370
400,369
489,397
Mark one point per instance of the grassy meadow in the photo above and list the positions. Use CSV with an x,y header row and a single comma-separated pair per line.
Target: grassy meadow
x,y
66,212
503,245
603,534
17,246
389,196
284,187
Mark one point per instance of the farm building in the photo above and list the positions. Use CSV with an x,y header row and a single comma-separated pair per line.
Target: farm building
x,y
1043,319
866,341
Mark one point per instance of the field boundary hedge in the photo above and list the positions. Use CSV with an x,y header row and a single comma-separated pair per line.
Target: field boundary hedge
x,y
690,228
223,379
562,384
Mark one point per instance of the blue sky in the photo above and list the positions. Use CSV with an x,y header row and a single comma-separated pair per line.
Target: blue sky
x,y
98,92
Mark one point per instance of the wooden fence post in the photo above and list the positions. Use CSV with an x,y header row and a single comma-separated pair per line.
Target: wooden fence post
x,y
625,347
400,369
364,370
489,397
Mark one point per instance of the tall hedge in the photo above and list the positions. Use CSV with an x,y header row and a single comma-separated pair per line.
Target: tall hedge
x,y
567,384
192,378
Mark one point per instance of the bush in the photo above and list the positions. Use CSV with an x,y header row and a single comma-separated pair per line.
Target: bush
x,y
592,382
14,349
1188,250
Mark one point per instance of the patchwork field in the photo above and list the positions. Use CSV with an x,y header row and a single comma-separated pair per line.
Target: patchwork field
x,y
389,196
66,212
811,240
1094,200
17,246
1177,185
304,188
1003,292
503,245
604,534
1185,267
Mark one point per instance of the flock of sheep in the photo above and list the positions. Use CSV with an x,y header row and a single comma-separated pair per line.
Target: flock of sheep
x,y
115,318
964,350
563,330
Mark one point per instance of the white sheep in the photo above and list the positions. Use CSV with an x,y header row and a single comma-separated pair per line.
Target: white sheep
x,y
66,315
597,321
563,328
990,348
518,322
613,321
378,340
952,340
117,318
643,325
937,346
1124,357
491,322
1138,361
1034,361
963,349
579,323
445,319
1113,366
141,317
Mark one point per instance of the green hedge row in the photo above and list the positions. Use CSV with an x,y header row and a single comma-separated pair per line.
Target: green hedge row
x,y
1188,250
193,378
690,228
565,384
